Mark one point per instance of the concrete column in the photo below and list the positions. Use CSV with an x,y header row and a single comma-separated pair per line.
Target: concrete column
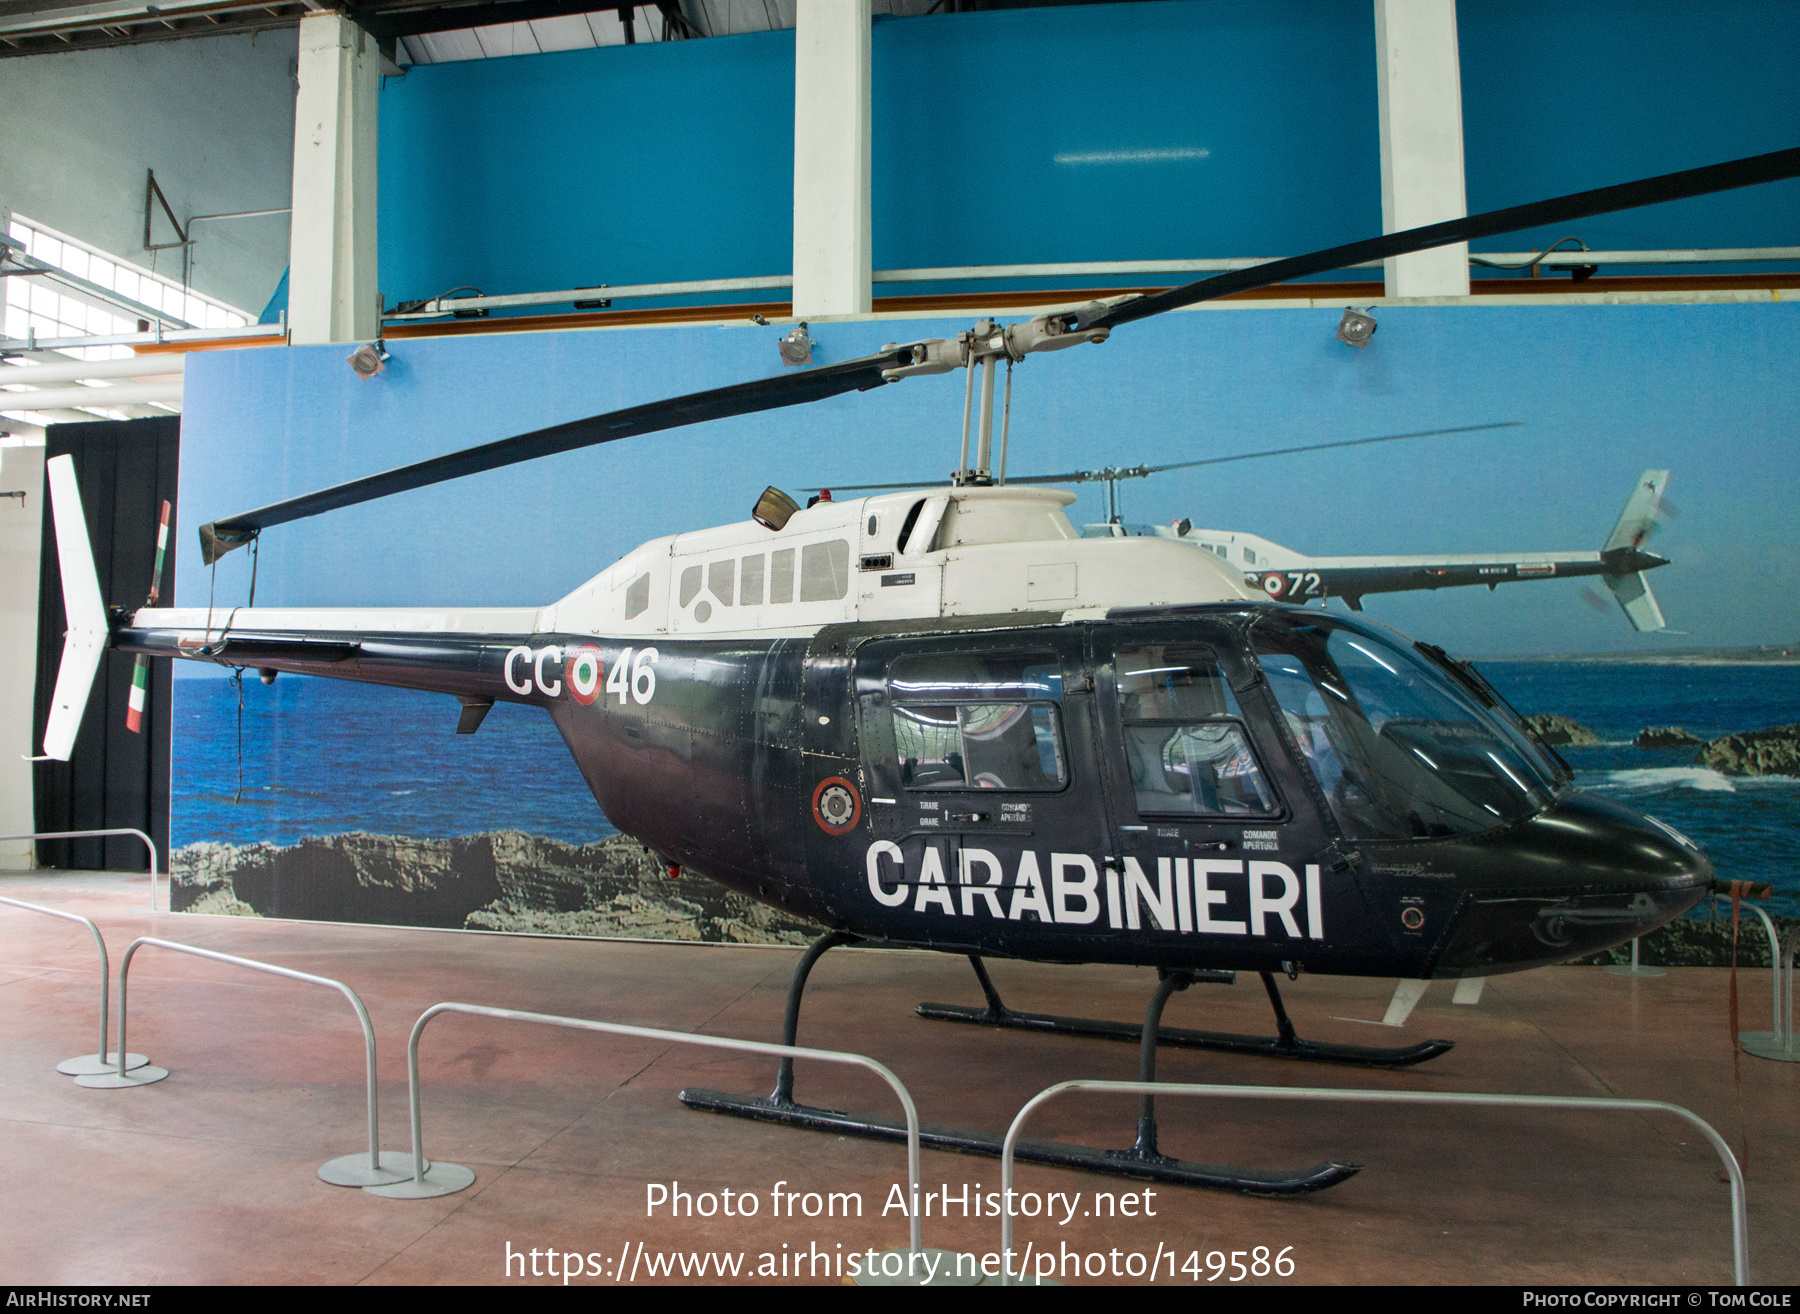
x,y
831,158
1419,84
331,263
21,527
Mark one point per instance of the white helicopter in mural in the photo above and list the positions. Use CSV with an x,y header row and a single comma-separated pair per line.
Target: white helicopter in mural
x,y
1289,576
1286,575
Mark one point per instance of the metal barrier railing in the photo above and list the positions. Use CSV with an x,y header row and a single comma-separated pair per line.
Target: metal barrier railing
x,y
86,1064
95,834
1778,1041
454,1177
346,1170
1740,1237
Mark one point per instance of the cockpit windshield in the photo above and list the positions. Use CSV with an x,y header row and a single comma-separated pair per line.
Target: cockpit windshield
x,y
1400,749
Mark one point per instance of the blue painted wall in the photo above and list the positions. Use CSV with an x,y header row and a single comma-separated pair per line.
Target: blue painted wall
x,y
628,164
1124,132
1130,131
1557,100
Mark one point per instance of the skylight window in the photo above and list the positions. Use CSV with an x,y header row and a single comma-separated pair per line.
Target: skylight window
x,y
49,309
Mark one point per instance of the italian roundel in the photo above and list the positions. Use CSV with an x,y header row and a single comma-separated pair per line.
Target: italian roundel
x,y
584,672
1273,584
836,806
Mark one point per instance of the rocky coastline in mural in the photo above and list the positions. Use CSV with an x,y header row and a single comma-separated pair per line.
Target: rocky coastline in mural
x,y
1704,941
499,881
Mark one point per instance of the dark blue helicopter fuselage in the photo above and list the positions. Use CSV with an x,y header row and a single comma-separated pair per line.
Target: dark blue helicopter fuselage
x,y
813,773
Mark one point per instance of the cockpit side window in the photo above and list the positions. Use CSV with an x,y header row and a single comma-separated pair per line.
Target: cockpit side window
x,y
978,721
1185,740
1400,751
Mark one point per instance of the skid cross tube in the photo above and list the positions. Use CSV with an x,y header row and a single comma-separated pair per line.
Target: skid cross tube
x,y
1740,1236
105,972
784,1052
93,834
362,1014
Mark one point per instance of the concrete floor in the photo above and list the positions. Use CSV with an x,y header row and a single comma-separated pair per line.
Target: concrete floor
x,y
209,1176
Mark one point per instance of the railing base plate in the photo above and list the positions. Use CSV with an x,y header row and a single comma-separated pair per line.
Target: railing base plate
x,y
89,1065
440,1179
143,1076
354,1170
1764,1044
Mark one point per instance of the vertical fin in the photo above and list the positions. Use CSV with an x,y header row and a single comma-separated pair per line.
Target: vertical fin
x,y
86,638
1642,512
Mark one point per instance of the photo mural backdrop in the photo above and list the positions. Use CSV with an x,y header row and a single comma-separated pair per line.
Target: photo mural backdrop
x,y
325,799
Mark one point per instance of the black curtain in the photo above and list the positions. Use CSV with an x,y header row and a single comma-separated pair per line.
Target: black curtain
x,y
125,468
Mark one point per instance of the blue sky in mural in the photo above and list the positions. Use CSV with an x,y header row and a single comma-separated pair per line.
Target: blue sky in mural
x,y
1603,391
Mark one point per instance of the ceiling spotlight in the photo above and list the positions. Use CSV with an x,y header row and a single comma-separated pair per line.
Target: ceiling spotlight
x,y
796,347
1356,328
369,359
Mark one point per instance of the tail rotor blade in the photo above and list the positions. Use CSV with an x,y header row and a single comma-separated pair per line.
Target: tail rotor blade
x,y
162,545
140,684
140,669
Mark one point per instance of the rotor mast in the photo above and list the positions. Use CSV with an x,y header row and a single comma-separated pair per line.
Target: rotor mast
x,y
982,348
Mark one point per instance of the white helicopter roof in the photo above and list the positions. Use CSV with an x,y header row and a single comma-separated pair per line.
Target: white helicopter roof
x,y
896,556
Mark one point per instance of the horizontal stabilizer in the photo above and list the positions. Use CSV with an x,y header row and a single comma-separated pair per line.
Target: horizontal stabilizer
x,y
85,640
1634,595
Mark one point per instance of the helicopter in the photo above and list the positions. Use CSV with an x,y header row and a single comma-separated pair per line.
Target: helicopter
x,y
1289,576
942,719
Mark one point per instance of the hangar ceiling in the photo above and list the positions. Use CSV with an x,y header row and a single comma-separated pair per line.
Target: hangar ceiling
x,y
429,31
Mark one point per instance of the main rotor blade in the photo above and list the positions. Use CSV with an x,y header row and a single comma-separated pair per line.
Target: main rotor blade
x,y
1322,447
1141,471
859,375
1748,172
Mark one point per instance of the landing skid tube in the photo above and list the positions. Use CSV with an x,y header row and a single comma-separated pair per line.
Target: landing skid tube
x,y
1143,1160
1057,1154
1283,1045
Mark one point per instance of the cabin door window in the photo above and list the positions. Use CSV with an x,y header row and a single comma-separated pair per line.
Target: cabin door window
x,y
1186,745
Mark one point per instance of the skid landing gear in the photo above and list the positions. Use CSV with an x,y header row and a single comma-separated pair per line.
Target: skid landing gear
x,y
1143,1160
1284,1045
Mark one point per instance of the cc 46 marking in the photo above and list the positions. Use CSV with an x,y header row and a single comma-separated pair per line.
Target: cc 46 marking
x,y
581,669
